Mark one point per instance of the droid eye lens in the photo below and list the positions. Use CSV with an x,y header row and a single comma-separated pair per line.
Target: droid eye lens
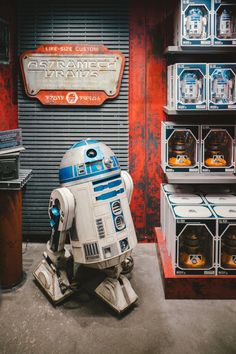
x,y
91,153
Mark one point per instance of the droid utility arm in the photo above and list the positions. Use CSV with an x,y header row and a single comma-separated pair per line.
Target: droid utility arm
x,y
129,185
61,212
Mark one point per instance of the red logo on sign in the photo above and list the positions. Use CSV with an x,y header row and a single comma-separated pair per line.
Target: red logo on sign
x,y
72,97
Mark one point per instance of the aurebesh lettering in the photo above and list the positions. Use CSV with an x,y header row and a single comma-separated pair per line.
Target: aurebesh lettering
x,y
72,67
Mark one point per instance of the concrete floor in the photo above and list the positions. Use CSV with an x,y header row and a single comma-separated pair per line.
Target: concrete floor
x,y
84,325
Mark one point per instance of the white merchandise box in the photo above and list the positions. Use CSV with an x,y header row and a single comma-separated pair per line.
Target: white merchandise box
x,y
193,23
180,147
192,236
226,239
224,23
221,86
187,87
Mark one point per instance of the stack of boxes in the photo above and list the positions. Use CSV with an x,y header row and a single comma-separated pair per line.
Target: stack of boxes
x,y
205,23
199,229
201,87
199,226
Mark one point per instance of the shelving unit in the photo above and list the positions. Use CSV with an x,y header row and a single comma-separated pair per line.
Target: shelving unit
x,y
171,112
173,50
192,286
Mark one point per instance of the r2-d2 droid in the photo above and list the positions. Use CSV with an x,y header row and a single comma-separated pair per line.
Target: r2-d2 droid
x,y
92,206
222,87
195,24
190,88
225,25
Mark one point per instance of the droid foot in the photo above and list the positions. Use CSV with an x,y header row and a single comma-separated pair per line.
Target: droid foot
x,y
118,293
55,283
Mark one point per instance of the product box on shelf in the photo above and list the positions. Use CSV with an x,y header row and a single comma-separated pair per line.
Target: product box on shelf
x,y
179,198
177,188
192,237
193,23
180,145
226,231
220,199
221,86
186,198
166,191
224,23
217,148
187,86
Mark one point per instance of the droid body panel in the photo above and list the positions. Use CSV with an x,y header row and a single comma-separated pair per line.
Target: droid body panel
x,y
92,205
226,25
195,24
103,233
222,87
190,88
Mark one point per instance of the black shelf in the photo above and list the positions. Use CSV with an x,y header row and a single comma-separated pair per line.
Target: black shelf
x,y
200,178
172,50
172,112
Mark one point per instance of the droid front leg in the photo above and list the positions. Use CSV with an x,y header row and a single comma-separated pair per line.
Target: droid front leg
x,y
116,290
52,272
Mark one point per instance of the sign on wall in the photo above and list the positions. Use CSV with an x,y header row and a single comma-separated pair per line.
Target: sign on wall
x,y
72,74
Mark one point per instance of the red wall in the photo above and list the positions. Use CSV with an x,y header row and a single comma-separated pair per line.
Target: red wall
x,y
146,97
8,73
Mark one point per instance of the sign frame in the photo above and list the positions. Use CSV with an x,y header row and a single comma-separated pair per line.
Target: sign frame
x,y
72,97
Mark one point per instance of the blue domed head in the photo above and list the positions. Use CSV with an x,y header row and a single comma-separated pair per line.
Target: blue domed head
x,y
87,160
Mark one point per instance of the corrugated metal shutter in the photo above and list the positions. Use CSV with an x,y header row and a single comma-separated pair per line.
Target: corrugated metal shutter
x,y
49,131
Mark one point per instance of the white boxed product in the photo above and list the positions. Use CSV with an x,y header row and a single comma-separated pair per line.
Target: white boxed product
x,y
221,199
185,198
179,149
192,235
187,86
218,148
226,232
193,23
179,198
221,86
166,191
177,188
224,23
